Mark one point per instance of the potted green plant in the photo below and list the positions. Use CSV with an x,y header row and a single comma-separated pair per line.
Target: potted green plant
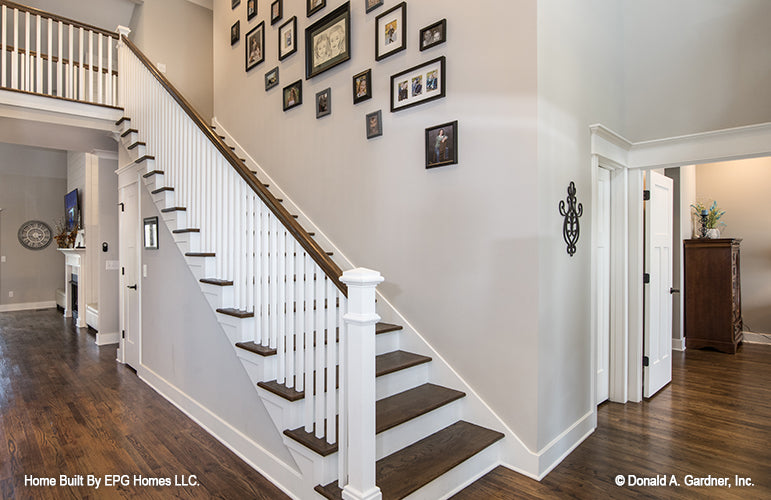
x,y
708,219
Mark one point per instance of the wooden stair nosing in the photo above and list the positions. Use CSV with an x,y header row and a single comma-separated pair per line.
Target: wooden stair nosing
x,y
136,144
152,173
199,254
129,131
384,364
123,119
215,281
236,313
145,157
162,189
188,230
389,413
411,468
268,351
173,209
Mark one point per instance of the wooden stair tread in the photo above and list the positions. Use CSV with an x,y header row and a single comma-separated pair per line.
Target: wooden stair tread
x,y
123,119
162,189
386,328
173,209
154,172
236,313
411,468
199,254
145,157
215,281
137,144
256,348
384,364
188,230
389,412
129,131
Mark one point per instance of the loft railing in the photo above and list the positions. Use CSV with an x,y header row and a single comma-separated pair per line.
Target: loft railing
x,y
48,54
280,275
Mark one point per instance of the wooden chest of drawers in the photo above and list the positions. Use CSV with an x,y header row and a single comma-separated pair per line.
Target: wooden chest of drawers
x,y
713,309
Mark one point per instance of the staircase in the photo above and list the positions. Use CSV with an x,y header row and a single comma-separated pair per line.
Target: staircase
x,y
279,300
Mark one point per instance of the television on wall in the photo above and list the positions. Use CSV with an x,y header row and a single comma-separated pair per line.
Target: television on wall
x,y
71,209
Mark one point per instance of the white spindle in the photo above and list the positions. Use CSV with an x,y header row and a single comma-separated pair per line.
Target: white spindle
x,y
342,419
249,283
15,55
331,314
71,64
38,57
309,358
90,73
26,72
99,76
299,330
3,14
291,332
81,66
59,62
281,303
109,89
50,54
321,376
265,272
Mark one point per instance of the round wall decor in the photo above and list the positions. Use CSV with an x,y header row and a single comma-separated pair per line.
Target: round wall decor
x,y
35,235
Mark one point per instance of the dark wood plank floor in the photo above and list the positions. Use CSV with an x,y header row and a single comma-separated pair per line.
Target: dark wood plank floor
x,y
66,407
713,419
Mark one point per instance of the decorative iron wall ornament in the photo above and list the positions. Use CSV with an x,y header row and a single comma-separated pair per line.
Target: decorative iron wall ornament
x,y
570,228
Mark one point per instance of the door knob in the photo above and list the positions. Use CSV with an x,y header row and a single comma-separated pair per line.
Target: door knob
x,y
674,290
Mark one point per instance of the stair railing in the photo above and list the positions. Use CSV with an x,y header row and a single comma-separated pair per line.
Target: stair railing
x,y
279,273
47,54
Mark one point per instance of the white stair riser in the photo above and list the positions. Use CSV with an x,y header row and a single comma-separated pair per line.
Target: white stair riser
x,y
400,381
153,182
315,468
386,342
218,296
237,329
414,430
202,267
188,242
164,198
176,219
259,368
138,151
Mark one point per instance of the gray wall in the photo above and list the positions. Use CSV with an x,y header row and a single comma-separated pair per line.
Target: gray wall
x,y
108,233
741,189
455,244
184,344
178,33
32,187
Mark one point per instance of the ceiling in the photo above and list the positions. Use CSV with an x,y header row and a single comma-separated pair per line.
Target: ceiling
x,y
105,14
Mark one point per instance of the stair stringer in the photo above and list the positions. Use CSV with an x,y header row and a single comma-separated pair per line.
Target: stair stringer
x,y
513,452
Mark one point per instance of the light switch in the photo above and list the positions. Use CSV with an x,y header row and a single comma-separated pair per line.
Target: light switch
x,y
2,258
144,270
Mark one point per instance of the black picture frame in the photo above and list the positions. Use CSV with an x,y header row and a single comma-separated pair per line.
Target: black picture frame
x,y
235,33
433,35
287,38
441,152
254,46
371,5
362,86
313,6
419,84
374,124
391,31
276,11
234,3
324,102
251,9
328,41
292,95
150,233
271,79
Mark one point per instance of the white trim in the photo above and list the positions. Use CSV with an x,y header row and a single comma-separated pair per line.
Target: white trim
x,y
275,470
206,4
107,338
678,344
566,442
103,154
40,108
26,306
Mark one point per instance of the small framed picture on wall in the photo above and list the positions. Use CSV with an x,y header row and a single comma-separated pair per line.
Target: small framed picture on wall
x,y
255,46
374,123
234,3
276,11
271,78
442,145
251,9
418,84
391,31
324,102
293,95
372,4
287,39
235,33
328,41
433,35
362,86
313,6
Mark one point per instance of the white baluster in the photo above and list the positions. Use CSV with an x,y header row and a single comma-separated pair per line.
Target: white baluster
x,y
109,87
249,257
291,309
50,55
27,70
15,55
99,76
359,371
59,62
321,376
342,418
90,73
82,66
281,303
38,57
4,20
310,267
71,64
273,285
331,314
299,330
265,272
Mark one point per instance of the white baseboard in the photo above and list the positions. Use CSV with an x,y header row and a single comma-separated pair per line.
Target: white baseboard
x,y
273,469
26,306
555,452
107,338
678,344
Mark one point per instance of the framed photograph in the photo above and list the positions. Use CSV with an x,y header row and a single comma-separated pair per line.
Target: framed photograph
x,y
328,41
255,46
293,95
418,84
374,124
433,35
276,11
151,232
234,3
235,33
362,86
287,39
271,78
323,102
372,4
442,145
313,6
251,9
391,31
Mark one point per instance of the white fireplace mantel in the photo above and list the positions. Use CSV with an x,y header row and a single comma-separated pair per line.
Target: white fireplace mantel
x,y
75,263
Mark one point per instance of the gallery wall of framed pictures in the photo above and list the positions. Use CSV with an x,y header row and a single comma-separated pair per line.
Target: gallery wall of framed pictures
x,y
323,34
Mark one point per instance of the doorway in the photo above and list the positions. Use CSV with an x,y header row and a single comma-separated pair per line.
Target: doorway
x,y
130,344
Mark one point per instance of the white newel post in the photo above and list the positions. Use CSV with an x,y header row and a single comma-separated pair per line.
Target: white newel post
x,y
358,404
122,76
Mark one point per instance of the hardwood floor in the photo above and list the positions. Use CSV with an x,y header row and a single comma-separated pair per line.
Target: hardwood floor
x,y
714,419
67,408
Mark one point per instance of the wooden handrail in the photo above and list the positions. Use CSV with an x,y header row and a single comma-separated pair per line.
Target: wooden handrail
x,y
55,17
300,234
55,59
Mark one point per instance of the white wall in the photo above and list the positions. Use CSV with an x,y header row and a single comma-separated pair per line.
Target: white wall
x,y
456,244
695,65
32,187
741,189
579,83
107,233
178,33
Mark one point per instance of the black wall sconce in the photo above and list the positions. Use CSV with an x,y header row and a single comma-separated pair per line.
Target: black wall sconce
x,y
570,227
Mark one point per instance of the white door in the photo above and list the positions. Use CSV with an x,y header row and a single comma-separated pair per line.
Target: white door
x,y
603,285
657,335
129,275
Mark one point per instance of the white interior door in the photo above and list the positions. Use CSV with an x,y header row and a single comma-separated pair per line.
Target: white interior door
x,y
130,344
657,334
603,285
